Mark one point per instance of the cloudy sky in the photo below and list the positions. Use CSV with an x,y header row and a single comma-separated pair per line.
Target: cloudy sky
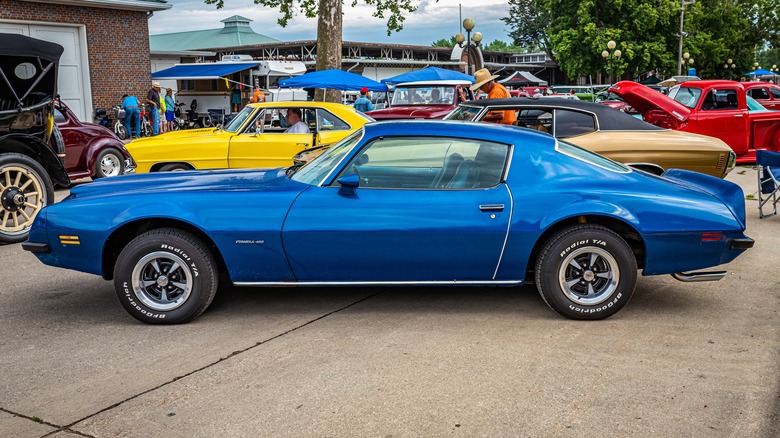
x,y
432,21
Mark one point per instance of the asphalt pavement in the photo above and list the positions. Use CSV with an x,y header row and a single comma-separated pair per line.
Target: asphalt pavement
x,y
681,359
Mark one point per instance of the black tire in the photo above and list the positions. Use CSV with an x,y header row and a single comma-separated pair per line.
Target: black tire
x,y
121,131
147,129
30,190
206,121
165,276
174,167
176,124
109,162
586,272
57,142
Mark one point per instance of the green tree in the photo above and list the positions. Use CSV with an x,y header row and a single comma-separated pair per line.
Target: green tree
x,y
528,22
444,42
502,46
330,25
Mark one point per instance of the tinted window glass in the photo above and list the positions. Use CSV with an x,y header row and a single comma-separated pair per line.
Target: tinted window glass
x,y
758,93
571,123
590,157
775,93
538,119
429,163
463,113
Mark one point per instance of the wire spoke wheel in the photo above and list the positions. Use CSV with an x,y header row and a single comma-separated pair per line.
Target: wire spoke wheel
x,y
22,195
162,281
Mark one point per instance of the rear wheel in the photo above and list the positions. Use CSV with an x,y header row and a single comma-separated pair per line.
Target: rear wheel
x,y
147,129
121,131
165,276
109,162
174,167
586,272
25,188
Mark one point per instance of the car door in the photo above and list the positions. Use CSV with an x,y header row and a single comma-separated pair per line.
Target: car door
x,y
264,143
421,214
75,141
721,115
774,104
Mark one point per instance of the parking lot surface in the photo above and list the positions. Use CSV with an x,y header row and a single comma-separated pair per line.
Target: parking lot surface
x,y
681,359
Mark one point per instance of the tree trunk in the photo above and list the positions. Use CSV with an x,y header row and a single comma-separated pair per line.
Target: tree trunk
x,y
329,29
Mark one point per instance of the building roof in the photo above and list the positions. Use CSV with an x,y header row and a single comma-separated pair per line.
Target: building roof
x,y
236,33
127,5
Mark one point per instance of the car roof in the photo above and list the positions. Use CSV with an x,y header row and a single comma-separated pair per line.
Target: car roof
x,y
609,119
455,128
433,83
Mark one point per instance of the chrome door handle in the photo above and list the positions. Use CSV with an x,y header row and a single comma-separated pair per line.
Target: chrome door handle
x,y
491,207
303,144
738,116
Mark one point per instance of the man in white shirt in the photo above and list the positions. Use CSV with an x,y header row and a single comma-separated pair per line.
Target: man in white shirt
x,y
296,124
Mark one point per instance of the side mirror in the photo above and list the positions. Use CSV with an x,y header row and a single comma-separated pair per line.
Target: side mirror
x,y
348,184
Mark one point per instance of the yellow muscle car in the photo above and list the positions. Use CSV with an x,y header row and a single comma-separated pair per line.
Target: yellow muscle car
x,y
255,137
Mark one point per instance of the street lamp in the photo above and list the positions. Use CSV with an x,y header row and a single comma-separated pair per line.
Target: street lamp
x,y
468,24
608,54
682,18
729,66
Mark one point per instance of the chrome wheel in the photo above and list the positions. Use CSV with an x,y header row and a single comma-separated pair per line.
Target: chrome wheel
x,y
162,281
110,165
22,195
589,276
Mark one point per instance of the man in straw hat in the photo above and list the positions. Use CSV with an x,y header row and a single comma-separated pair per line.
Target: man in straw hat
x,y
153,100
494,90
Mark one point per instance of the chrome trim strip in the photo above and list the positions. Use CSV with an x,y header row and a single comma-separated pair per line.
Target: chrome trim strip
x,y
699,276
379,283
506,235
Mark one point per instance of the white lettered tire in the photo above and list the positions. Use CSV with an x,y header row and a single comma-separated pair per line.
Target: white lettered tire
x,y
586,272
165,276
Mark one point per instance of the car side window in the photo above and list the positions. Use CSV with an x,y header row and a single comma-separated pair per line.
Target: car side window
x,y
327,121
758,93
256,125
775,93
538,119
429,163
570,123
59,117
720,100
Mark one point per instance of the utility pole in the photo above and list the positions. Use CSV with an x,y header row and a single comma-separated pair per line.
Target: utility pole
x,y
680,48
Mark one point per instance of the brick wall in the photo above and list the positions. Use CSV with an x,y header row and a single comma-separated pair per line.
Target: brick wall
x,y
117,45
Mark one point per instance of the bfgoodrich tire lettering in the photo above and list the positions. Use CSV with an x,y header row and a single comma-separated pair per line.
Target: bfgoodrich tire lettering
x,y
586,272
165,276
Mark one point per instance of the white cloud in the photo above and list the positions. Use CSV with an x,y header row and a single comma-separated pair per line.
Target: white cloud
x,y
432,21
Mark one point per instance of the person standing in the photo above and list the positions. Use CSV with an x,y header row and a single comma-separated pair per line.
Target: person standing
x,y
130,105
485,82
235,98
170,105
257,95
363,103
163,125
153,100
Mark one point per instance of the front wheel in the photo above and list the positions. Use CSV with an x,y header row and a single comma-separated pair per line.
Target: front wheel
x,y
25,188
121,131
586,272
165,276
109,162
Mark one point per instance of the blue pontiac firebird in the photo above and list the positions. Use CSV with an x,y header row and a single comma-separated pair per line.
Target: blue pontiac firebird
x,y
400,203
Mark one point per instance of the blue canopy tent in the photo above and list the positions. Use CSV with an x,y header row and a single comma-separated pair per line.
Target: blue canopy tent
x,y
759,72
206,70
429,74
333,79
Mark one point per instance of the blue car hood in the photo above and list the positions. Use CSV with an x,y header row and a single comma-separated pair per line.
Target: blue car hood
x,y
211,180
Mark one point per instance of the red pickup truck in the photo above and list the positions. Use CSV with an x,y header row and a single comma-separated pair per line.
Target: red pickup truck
x,y
424,100
717,108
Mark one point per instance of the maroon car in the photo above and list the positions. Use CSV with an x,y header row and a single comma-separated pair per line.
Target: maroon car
x,y
424,100
90,150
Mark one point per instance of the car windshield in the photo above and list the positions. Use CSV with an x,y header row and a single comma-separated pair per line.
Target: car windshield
x,y
463,113
239,119
315,171
430,95
688,96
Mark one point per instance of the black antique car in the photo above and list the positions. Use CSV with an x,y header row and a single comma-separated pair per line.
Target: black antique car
x,y
30,164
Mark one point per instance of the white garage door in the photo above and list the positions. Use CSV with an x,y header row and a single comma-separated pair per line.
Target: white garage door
x,y
72,74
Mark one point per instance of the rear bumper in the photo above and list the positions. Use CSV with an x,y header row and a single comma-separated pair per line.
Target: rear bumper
x,y
41,248
741,243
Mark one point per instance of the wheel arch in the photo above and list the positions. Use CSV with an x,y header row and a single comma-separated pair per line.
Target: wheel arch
x,y
37,150
623,229
129,231
156,166
98,145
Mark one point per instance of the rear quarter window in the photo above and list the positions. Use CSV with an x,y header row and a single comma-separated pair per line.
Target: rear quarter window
x,y
590,157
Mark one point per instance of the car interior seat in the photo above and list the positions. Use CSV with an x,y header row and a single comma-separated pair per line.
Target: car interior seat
x,y
768,164
466,177
447,171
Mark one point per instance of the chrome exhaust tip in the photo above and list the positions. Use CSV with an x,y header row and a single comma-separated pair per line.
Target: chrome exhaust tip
x,y
699,276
